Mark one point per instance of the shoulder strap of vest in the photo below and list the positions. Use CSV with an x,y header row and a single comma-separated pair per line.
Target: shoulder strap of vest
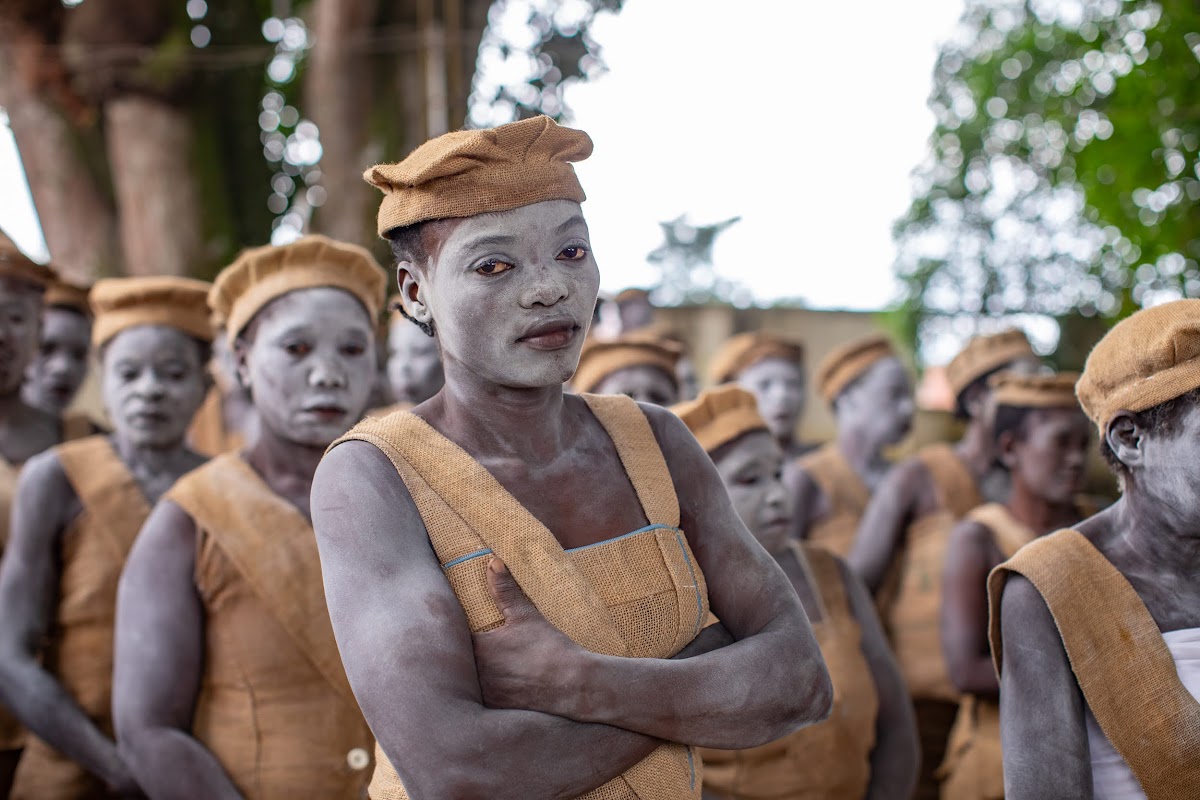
x,y
956,486
534,557
831,585
834,476
274,548
76,425
1121,663
1009,533
108,491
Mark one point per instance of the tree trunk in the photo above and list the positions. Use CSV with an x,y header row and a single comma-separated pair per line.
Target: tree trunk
x,y
149,152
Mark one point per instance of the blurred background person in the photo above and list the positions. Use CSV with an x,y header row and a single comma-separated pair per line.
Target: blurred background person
x,y
414,365
637,365
227,419
54,376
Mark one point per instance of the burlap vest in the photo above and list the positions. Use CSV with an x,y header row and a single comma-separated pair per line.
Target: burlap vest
x,y
79,651
274,707
12,735
207,434
914,617
77,425
640,595
974,765
1120,661
846,494
832,759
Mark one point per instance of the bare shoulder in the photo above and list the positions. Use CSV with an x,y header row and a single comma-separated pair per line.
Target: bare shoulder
x,y
969,533
1024,615
44,495
44,473
351,479
169,526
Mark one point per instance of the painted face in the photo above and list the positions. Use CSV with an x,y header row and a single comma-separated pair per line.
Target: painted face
x,y
983,407
57,371
152,381
752,470
685,376
511,294
643,383
20,309
778,385
879,404
308,359
414,366
1049,453
1170,467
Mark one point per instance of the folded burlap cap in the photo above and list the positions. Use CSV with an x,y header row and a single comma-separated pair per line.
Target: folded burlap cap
x,y
1144,361
846,362
261,274
984,354
63,294
122,303
747,349
720,415
15,264
601,358
465,173
1054,390
629,295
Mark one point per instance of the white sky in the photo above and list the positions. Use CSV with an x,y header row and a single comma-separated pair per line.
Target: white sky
x,y
803,118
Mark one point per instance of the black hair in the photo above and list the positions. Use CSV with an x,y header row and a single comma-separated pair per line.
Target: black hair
x,y
1164,418
1011,419
960,401
407,245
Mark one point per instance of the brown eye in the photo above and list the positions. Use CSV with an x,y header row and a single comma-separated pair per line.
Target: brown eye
x,y
573,253
494,267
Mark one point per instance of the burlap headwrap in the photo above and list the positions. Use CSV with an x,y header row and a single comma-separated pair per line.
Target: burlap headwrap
x,y
984,354
1056,390
15,264
847,362
465,173
1144,361
261,274
61,294
747,349
720,415
600,359
121,303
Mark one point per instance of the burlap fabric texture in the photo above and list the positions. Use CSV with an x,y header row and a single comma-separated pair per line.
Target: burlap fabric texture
x,y
1035,391
720,415
123,303
464,173
12,735
846,494
984,354
1117,653
18,266
207,433
63,294
1144,361
746,349
641,595
601,358
847,362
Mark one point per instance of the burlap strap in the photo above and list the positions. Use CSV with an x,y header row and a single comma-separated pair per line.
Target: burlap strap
x,y
274,548
108,491
836,479
1009,533
640,454
8,489
1119,658
826,576
76,425
956,487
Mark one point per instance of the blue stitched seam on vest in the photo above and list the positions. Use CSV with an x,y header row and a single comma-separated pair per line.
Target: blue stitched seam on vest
x,y
695,583
467,557
485,551
692,767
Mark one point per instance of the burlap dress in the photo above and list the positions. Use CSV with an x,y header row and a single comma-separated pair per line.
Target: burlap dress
x,y
846,494
207,434
639,595
12,735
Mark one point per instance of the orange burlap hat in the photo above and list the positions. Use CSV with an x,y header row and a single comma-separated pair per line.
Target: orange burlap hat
x,y
1144,361
984,354
1055,390
17,265
601,358
62,294
261,274
121,303
629,295
747,349
465,173
720,415
847,362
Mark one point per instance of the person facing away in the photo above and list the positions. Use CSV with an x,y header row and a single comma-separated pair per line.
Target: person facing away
x,y
637,365
1095,630
900,546
870,394
1042,439
867,748
771,368
504,540
56,372
227,679
79,508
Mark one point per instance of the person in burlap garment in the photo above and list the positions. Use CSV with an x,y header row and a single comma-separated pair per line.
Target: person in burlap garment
x,y
639,365
770,367
1095,631
79,507
900,547
505,539
870,393
226,421
228,681
1042,438
414,365
868,745
56,372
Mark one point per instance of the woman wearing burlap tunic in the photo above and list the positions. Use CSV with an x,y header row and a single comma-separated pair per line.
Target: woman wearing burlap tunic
x,y
900,547
638,365
504,540
871,396
1042,439
1096,630
771,368
228,682
79,507
53,377
868,745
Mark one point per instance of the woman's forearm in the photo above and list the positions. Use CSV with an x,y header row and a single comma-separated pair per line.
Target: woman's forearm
x,y
170,764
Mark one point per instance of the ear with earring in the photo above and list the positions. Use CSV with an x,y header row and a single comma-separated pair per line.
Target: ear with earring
x,y
426,327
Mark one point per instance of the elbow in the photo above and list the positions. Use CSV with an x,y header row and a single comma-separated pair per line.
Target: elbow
x,y
808,699
819,703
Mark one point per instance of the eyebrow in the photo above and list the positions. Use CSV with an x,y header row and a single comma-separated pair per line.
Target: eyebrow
x,y
576,219
493,240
